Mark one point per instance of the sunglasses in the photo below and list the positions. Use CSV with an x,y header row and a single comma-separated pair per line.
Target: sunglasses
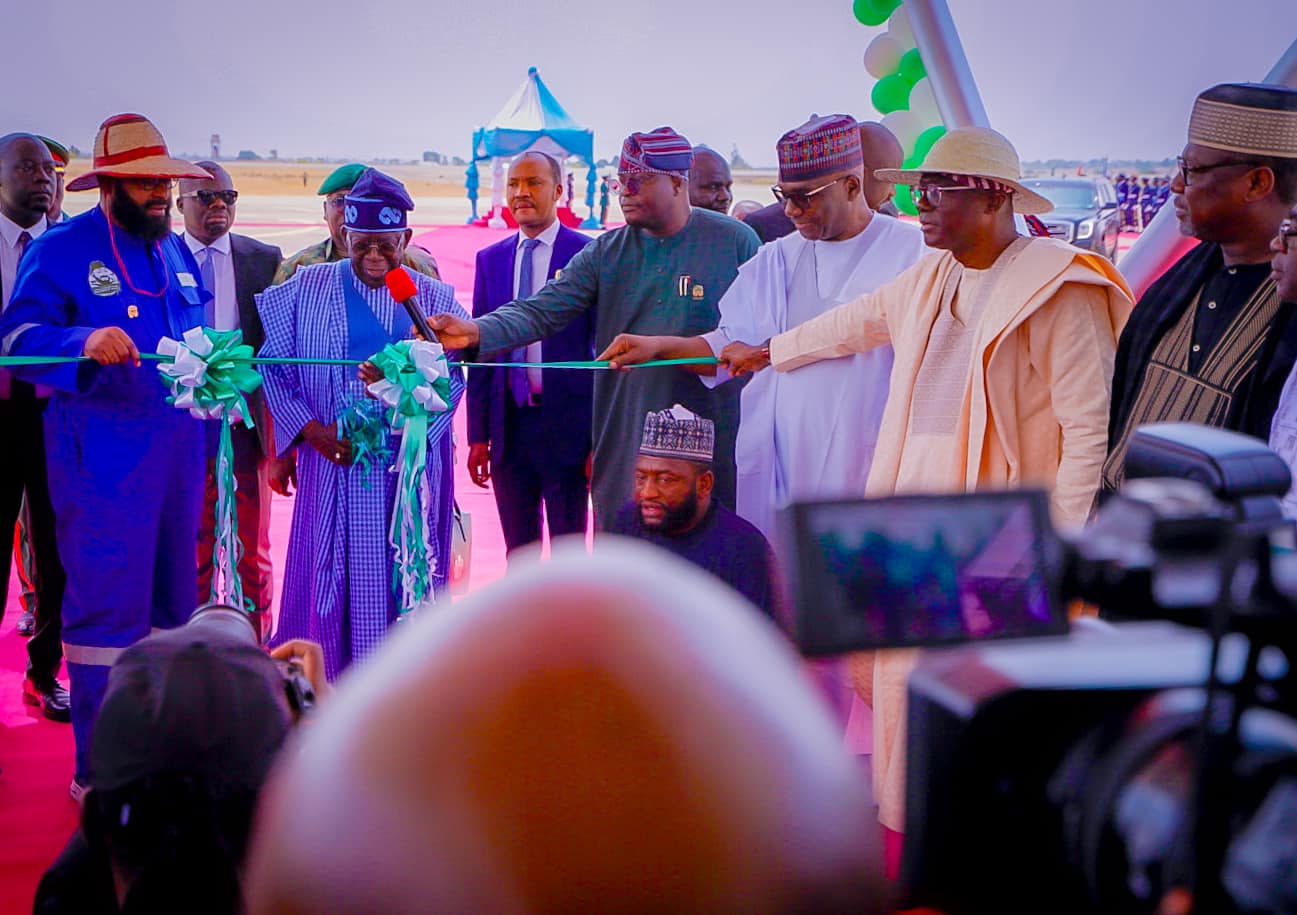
x,y
1287,230
930,194
207,198
150,184
364,246
801,199
335,203
632,184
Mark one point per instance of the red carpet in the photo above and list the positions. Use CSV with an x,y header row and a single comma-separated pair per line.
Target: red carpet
x,y
36,814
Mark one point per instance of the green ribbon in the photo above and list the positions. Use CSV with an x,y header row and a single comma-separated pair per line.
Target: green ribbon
x,y
589,365
415,385
210,375
365,426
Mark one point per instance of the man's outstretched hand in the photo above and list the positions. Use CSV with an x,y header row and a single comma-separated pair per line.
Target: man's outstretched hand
x,y
742,358
454,332
631,349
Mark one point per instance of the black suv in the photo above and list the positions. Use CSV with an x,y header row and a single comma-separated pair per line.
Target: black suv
x,y
1085,212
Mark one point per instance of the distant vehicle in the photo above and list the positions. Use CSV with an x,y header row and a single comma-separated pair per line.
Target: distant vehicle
x,y
1085,212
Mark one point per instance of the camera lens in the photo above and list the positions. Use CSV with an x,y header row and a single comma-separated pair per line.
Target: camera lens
x,y
227,620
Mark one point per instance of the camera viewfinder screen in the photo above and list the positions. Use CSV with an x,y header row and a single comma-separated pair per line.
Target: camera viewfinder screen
x,y
924,570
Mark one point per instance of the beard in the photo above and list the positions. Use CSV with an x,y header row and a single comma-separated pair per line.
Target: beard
x,y
135,219
674,518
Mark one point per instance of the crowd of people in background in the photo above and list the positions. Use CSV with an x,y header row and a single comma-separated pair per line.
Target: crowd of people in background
x,y
1139,198
822,348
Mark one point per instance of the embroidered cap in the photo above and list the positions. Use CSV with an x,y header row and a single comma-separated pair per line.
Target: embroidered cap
x,y
820,148
678,433
1255,119
376,203
659,152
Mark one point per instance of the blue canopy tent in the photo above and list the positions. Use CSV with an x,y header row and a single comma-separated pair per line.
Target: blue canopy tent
x,y
531,120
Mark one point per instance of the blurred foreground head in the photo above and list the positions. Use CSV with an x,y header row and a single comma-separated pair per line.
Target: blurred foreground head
x,y
615,733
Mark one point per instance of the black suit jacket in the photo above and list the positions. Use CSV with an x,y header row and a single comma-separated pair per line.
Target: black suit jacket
x,y
568,395
770,222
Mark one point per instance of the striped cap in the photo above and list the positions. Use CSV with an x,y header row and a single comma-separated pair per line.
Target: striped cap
x,y
129,146
660,152
678,433
820,148
1255,119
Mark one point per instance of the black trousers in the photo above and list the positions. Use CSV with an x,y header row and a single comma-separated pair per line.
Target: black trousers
x,y
528,476
22,467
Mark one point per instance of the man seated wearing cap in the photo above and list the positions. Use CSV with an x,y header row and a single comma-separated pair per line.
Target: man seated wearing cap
x,y
338,575
674,509
191,722
611,733
125,467
810,434
664,272
1003,360
334,248
1212,341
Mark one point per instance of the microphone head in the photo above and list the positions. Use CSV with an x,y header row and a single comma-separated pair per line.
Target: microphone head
x,y
400,285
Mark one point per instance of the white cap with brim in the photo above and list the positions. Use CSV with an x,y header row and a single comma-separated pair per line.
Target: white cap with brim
x,y
977,152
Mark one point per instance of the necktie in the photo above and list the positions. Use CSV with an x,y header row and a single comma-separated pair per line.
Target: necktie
x,y
518,377
207,270
24,238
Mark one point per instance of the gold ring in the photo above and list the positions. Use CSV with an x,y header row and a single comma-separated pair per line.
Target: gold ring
x,y
337,455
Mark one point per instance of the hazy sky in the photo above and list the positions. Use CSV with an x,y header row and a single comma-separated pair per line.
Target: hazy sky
x,y
391,78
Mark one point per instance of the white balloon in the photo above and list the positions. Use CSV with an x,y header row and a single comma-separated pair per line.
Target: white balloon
x,y
898,26
907,126
924,104
883,56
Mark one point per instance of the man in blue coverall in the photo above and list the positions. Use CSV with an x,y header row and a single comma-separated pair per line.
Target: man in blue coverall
x,y
125,467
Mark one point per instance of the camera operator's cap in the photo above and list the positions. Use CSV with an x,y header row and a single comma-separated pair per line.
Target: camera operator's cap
x,y
129,146
678,433
376,203
190,700
1255,119
981,155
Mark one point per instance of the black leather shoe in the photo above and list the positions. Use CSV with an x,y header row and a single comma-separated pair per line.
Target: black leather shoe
x,y
26,624
52,698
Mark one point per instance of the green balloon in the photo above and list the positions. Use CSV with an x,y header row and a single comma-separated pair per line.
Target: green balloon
x,y
891,93
871,12
911,162
904,202
926,140
912,66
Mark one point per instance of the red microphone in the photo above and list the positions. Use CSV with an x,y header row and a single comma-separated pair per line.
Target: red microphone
x,y
402,288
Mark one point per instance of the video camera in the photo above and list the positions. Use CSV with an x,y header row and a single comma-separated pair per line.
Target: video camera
x,y
234,622
1096,770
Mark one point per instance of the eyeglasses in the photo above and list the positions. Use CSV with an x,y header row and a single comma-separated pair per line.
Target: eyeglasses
x,y
362,246
335,203
1287,230
1187,170
930,194
632,184
207,198
801,199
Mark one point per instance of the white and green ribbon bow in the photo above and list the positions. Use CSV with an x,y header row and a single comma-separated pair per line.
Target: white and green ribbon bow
x,y
210,374
415,385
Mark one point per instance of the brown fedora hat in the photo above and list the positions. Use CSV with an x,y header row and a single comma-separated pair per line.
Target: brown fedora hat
x,y
129,146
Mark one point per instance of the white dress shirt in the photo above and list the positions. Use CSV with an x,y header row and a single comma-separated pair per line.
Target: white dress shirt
x,y
541,255
226,311
9,233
